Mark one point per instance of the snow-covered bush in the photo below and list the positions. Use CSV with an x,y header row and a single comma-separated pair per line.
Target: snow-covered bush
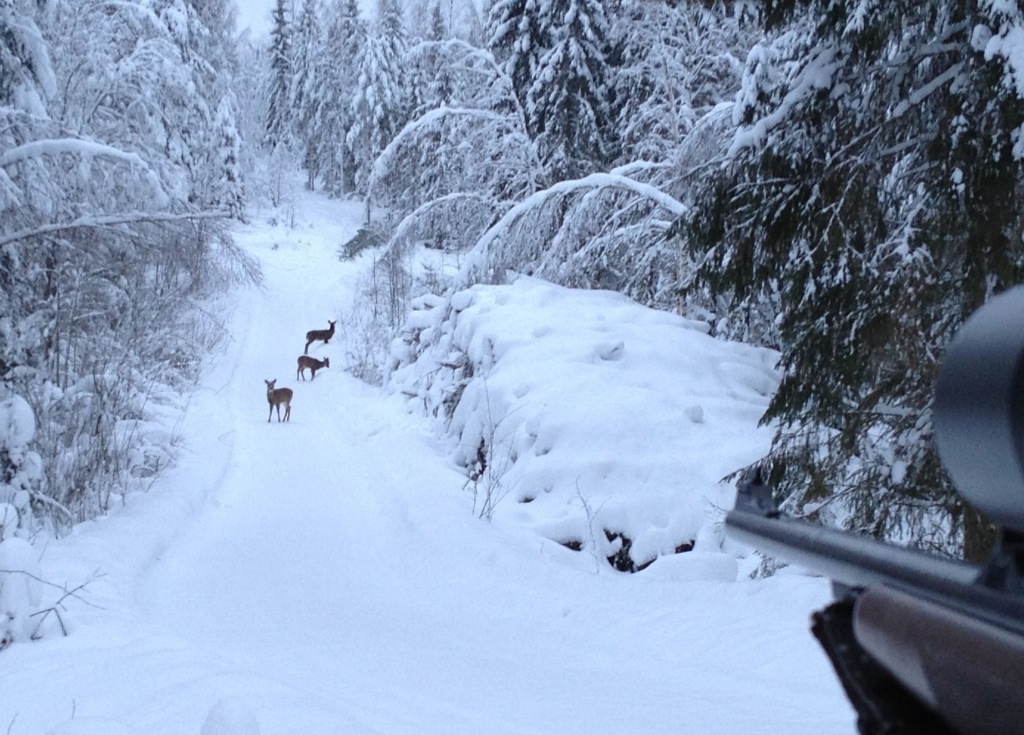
x,y
20,467
20,590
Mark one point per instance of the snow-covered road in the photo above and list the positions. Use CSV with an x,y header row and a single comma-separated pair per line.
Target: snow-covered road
x,y
328,576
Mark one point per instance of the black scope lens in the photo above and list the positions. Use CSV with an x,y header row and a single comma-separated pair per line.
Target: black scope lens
x,y
979,409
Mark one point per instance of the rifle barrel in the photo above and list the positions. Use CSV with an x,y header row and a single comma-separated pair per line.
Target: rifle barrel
x,y
857,561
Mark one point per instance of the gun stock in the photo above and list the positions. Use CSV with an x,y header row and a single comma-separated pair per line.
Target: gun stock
x,y
967,671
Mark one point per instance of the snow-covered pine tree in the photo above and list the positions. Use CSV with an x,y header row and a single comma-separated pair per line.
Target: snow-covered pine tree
x,y
379,106
569,102
344,37
228,191
875,186
279,113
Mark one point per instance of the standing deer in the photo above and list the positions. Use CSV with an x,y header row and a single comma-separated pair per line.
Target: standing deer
x,y
318,334
313,364
277,396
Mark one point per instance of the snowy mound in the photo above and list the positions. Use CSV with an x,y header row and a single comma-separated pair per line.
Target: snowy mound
x,y
602,424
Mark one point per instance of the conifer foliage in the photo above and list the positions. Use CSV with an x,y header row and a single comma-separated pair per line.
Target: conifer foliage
x,y
307,66
516,39
378,109
342,44
568,101
279,116
872,191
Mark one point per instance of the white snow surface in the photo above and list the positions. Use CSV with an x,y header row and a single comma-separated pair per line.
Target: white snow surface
x,y
328,575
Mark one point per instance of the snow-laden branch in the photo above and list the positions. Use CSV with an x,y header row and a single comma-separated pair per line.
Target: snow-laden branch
x,y
86,150
57,146
109,220
469,51
473,53
815,75
1007,43
478,255
919,95
409,220
426,120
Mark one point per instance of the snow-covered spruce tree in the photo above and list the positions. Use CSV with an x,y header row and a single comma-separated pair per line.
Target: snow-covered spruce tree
x,y
875,186
228,191
279,138
334,87
429,77
307,62
379,106
279,113
205,64
517,40
253,73
569,101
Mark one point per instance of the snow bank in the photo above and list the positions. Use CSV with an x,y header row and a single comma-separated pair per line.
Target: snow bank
x,y
599,423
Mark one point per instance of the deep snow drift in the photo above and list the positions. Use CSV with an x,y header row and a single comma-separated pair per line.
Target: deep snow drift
x,y
332,575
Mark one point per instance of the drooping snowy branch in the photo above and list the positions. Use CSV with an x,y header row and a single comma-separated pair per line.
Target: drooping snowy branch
x,y
599,230
112,220
492,153
56,147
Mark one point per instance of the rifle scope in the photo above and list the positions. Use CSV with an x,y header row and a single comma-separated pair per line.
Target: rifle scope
x,y
979,410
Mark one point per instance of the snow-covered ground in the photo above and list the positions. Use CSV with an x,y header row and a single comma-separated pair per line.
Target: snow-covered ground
x,y
331,575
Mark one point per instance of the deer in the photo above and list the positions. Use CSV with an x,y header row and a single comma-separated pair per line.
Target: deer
x,y
314,335
277,396
313,364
